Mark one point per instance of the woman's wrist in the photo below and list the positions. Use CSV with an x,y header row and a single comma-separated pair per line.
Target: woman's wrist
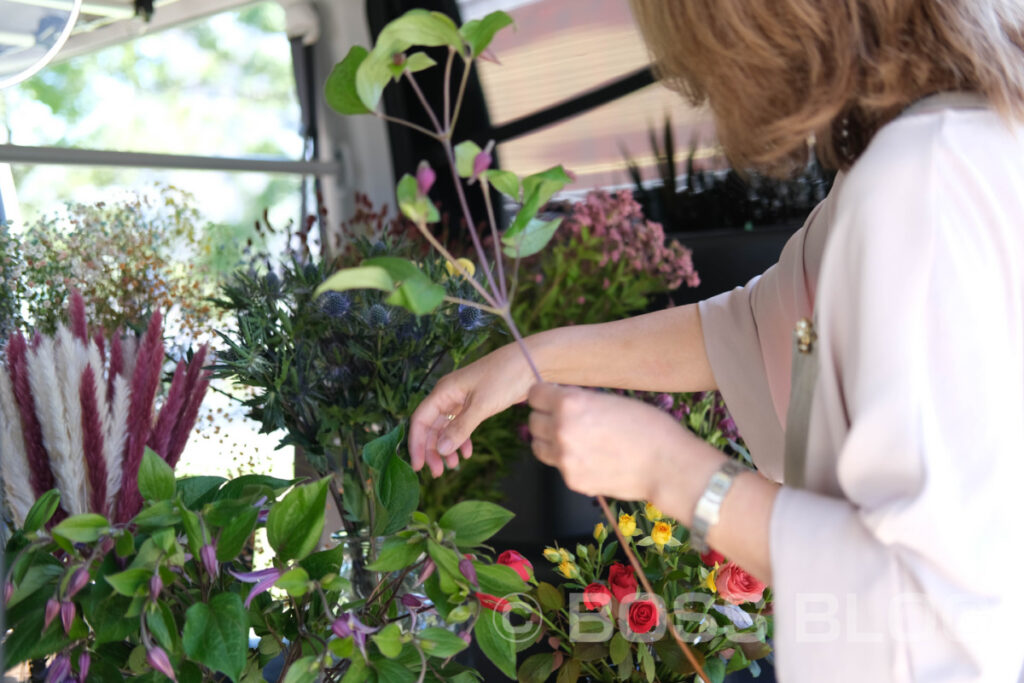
x,y
680,475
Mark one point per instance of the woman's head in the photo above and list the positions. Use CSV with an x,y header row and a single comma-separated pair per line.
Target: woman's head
x,y
777,71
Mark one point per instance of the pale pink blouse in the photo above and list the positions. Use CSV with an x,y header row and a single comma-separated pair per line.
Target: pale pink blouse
x,y
902,558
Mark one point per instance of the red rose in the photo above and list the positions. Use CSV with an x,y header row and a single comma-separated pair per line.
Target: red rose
x,y
643,616
622,581
737,586
596,596
510,558
493,603
711,557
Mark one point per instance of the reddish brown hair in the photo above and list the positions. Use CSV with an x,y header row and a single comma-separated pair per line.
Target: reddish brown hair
x,y
776,72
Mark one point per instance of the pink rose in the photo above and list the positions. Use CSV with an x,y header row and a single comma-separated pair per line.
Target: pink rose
x,y
735,585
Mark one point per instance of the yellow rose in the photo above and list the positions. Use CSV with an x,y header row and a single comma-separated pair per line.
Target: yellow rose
x,y
627,525
466,264
568,570
600,533
710,581
652,513
661,534
552,555
565,555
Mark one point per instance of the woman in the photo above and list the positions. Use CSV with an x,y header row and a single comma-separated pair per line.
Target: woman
x,y
886,527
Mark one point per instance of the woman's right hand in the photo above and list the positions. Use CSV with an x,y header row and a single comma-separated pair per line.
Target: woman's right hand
x,y
442,424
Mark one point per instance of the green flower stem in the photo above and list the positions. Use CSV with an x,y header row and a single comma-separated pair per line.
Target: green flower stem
x,y
467,302
467,66
426,105
448,91
407,124
486,189
422,227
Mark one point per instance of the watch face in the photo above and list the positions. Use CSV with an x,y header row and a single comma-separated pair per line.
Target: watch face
x,y
31,34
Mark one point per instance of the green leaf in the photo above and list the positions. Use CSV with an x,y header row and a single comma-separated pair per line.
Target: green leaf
x,y
398,489
162,625
235,535
494,641
389,671
479,33
251,487
465,155
619,649
85,528
410,288
537,191
499,580
217,634
295,524
378,452
360,277
340,89
536,668
549,597
324,562
372,75
439,642
162,514
389,640
506,182
569,672
42,571
197,491
156,478
42,511
304,670
531,239
421,27
445,559
398,553
647,663
294,581
714,667
193,531
414,63
130,582
474,521
358,671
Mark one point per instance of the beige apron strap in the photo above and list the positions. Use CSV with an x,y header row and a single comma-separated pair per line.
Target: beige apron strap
x,y
801,393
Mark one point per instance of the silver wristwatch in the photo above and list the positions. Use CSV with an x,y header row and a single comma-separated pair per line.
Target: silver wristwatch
x,y
705,514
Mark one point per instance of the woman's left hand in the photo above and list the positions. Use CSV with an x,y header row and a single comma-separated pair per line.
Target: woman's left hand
x,y
606,444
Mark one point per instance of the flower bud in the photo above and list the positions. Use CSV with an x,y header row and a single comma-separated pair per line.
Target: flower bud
x,y
84,661
156,585
79,580
468,570
552,555
425,177
52,609
411,601
158,659
341,628
428,570
8,592
482,162
209,555
67,615
600,532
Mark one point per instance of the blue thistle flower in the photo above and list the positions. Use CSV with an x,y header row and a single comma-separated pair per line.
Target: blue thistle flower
x,y
471,318
378,316
335,304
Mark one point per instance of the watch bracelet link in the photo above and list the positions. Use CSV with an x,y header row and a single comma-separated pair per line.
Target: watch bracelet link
x,y
706,511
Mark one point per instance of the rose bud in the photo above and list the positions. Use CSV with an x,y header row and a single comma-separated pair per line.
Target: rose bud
x,y
79,580
52,609
596,596
67,615
209,556
158,659
156,585
521,565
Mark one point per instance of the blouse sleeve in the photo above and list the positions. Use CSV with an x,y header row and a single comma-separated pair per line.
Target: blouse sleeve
x,y
748,339
906,576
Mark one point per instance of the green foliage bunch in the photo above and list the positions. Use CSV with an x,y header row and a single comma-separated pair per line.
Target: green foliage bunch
x,y
334,370
173,593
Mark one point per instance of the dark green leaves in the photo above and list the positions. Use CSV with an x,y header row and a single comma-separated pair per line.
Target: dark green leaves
x,y
295,524
216,634
493,639
524,234
395,484
410,288
479,33
531,239
156,478
439,642
42,510
397,553
340,89
474,521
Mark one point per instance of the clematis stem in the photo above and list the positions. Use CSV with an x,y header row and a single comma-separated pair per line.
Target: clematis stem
x,y
485,187
434,242
426,105
467,65
623,542
407,124
448,91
